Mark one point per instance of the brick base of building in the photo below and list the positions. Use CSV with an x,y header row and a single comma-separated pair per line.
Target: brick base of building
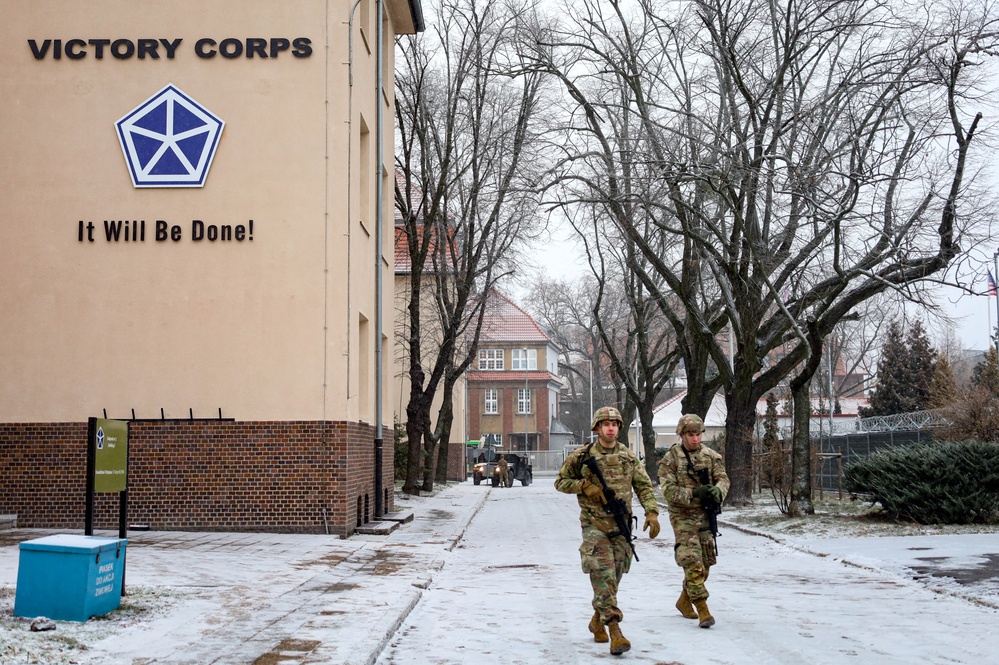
x,y
204,475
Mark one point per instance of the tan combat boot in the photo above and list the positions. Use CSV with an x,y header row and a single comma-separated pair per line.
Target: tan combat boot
x,y
683,604
706,620
618,642
598,630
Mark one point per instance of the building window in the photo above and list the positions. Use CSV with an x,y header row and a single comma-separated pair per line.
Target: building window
x,y
524,359
492,400
494,439
490,358
523,400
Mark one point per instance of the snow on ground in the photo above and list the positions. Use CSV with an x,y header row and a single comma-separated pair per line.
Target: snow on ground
x,y
505,586
513,592
962,560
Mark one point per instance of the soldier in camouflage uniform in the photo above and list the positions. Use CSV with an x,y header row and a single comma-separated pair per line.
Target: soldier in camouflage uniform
x,y
695,548
606,556
504,472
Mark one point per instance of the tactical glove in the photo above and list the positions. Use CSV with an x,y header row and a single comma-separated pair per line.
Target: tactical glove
x,y
708,494
651,524
594,492
716,493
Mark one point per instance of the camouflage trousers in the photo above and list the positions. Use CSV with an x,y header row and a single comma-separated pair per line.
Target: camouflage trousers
x,y
694,552
605,560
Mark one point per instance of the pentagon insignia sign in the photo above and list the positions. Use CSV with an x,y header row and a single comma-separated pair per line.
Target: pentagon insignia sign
x,y
169,140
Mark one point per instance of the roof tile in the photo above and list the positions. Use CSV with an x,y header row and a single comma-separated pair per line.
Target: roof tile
x,y
505,321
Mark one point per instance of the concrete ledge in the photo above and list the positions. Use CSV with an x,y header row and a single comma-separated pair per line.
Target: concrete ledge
x,y
400,516
8,521
377,528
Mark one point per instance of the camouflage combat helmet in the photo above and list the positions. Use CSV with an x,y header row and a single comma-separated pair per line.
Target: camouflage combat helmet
x,y
606,413
689,421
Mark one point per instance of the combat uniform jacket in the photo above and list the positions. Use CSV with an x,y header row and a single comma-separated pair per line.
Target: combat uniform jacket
x,y
621,469
678,482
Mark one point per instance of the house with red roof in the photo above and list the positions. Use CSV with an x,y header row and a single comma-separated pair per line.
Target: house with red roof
x,y
513,387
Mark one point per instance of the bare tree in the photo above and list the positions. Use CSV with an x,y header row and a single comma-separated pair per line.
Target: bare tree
x,y
465,117
639,341
790,161
565,309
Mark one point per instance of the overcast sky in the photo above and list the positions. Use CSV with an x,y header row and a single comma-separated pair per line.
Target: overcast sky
x,y
975,316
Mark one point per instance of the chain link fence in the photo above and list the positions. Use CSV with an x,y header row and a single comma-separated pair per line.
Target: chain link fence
x,y
546,462
831,455
834,454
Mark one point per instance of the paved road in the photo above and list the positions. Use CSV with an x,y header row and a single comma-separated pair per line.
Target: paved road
x,y
512,592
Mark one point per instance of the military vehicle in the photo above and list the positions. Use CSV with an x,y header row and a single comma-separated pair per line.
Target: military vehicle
x,y
484,467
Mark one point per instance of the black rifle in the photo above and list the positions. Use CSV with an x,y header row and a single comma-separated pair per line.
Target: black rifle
x,y
615,507
711,507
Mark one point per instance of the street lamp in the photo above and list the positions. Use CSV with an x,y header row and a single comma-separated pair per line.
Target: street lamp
x,y
527,395
993,292
590,363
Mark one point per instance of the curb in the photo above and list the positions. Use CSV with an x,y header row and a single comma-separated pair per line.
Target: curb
x,y
390,630
422,585
862,566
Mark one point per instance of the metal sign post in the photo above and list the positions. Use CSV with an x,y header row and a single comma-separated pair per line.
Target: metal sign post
x,y
107,471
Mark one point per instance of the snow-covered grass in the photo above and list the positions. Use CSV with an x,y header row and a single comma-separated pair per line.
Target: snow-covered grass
x,y
838,518
18,644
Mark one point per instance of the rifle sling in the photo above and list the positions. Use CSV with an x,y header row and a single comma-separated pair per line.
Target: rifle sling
x,y
690,466
582,462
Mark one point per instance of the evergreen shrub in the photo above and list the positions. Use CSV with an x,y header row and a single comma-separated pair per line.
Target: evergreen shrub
x,y
932,483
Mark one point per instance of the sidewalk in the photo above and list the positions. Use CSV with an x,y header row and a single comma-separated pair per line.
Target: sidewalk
x,y
252,598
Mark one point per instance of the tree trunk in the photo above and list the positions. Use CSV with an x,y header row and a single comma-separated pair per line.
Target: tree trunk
x,y
801,450
697,400
648,440
431,449
801,439
445,418
414,436
739,425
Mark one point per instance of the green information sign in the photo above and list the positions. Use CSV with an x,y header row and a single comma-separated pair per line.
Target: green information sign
x,y
111,462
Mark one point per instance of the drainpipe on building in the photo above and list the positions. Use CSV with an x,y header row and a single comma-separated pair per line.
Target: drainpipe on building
x,y
379,211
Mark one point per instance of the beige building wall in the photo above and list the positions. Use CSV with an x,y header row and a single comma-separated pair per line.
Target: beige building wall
x,y
277,326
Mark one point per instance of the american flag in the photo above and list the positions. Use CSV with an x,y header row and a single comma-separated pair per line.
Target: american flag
x,y
992,284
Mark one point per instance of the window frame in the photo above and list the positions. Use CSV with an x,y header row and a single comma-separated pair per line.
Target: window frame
x,y
491,360
490,397
521,399
517,361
